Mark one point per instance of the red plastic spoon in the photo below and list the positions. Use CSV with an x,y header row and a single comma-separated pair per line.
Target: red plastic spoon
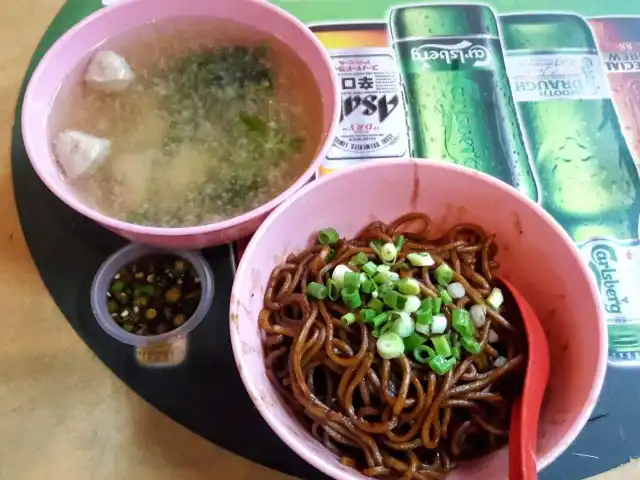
x,y
526,411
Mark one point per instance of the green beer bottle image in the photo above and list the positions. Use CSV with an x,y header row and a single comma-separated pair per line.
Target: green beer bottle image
x,y
587,176
459,103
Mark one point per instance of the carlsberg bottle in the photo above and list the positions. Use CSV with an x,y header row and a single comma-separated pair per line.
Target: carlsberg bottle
x,y
587,175
457,95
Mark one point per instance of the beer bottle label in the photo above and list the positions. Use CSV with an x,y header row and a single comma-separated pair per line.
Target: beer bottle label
x,y
616,268
372,120
562,75
626,60
448,54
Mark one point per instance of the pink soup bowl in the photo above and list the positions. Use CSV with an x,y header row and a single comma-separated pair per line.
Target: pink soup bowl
x,y
73,51
534,253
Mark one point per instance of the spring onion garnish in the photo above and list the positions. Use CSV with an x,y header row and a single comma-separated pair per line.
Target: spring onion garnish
x,y
455,352
385,287
424,317
388,253
333,291
437,303
380,319
368,286
493,336
442,346
444,274
370,268
420,352
439,324
394,300
393,276
423,328
471,345
347,319
338,274
352,279
427,305
412,305
317,291
402,324
366,315
381,277
328,236
400,266
495,298
441,365
376,304
445,297
383,268
413,341
408,286
461,322
390,345
360,259
351,297
500,362
478,315
399,242
421,259
456,290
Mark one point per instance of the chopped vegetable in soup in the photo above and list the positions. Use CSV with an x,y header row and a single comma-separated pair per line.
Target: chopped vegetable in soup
x,y
154,295
217,120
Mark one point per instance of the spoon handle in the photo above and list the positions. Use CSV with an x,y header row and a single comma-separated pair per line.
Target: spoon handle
x,y
522,452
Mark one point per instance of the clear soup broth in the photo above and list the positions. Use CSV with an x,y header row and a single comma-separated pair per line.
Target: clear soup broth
x,y
220,119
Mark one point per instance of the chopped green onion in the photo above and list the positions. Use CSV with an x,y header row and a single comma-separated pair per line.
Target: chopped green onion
x,y
461,322
456,290
381,277
332,253
393,276
444,274
399,242
422,259
117,287
333,291
351,297
495,298
403,324
368,286
370,268
442,346
478,315
347,319
383,268
385,287
328,236
338,274
419,352
426,305
445,297
423,328
376,304
390,345
441,365
394,300
399,266
317,290
412,305
471,345
408,286
388,253
455,352
352,279
413,341
379,320
437,303
366,315
439,324
424,317
360,259
376,245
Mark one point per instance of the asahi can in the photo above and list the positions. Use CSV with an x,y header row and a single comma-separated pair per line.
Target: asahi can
x,y
618,40
588,177
372,120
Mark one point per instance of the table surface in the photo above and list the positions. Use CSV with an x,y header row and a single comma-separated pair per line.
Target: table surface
x,y
62,413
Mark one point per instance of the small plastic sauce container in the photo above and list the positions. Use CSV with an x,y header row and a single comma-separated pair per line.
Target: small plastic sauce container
x,y
166,349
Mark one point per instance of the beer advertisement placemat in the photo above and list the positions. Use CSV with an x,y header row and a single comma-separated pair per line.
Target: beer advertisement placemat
x,y
542,94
